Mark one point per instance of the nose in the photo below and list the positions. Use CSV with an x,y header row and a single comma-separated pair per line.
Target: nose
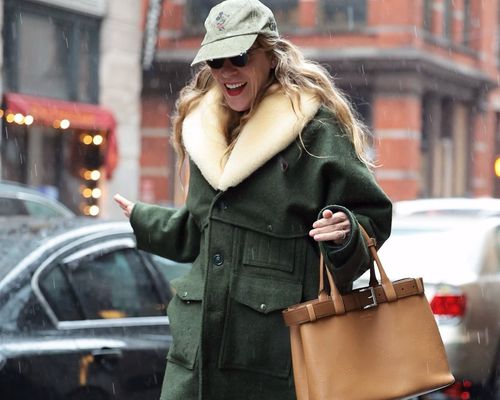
x,y
227,68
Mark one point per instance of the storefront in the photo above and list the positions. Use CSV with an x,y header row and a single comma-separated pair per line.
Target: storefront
x,y
65,149
55,136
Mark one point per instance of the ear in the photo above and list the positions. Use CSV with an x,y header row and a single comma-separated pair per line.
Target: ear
x,y
274,62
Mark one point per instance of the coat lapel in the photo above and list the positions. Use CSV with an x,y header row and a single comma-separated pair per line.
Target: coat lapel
x,y
274,126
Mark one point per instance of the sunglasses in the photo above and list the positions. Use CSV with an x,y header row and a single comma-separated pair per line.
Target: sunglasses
x,y
238,61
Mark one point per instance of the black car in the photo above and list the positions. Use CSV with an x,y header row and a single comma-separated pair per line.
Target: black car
x,y
82,311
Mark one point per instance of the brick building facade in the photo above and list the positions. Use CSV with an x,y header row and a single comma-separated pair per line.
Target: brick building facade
x,y
422,73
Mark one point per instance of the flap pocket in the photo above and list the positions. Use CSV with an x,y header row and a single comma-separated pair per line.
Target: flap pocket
x,y
185,315
265,295
269,252
255,337
186,289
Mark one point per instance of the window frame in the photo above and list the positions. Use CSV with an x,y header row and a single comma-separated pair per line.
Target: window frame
x,y
77,22
448,20
348,27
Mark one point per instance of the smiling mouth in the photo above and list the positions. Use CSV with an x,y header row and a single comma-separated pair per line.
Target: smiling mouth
x,y
234,89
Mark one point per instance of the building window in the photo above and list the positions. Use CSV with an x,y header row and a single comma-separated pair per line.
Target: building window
x,y
467,23
428,15
285,12
197,12
448,20
51,52
343,14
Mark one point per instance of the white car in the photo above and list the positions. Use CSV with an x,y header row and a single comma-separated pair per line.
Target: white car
x,y
452,206
459,261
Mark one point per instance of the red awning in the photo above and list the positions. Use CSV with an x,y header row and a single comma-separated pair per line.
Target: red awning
x,y
46,111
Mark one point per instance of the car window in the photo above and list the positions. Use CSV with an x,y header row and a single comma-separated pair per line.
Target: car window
x,y
10,207
170,269
41,210
111,285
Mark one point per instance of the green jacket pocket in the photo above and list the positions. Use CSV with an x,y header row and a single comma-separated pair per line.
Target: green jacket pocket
x,y
185,315
265,251
255,336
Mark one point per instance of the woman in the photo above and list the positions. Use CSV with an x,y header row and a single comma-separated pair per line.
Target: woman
x,y
277,165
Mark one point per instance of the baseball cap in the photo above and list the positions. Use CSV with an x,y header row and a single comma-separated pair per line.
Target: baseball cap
x,y
232,27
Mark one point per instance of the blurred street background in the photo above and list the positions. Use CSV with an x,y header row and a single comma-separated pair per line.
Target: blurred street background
x,y
88,89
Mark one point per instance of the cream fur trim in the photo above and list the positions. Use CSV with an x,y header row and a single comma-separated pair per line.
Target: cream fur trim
x,y
273,128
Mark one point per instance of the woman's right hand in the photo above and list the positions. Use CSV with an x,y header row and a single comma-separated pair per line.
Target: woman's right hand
x,y
125,204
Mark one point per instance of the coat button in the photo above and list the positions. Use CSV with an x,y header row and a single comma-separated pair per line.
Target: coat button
x,y
218,259
270,228
263,307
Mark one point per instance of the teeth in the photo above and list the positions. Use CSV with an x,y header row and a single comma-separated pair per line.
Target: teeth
x,y
234,85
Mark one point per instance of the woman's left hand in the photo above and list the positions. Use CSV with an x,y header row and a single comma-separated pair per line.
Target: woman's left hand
x,y
333,226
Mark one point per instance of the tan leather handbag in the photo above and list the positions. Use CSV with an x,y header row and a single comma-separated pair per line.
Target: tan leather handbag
x,y
376,343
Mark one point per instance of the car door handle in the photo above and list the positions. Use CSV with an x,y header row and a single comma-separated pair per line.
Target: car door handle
x,y
106,353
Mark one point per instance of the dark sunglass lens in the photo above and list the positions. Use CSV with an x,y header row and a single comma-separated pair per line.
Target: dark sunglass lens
x,y
216,63
240,61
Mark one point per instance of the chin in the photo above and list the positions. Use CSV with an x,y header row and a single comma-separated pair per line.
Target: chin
x,y
238,107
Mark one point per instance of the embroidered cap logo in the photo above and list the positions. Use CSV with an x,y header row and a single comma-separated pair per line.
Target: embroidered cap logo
x,y
221,21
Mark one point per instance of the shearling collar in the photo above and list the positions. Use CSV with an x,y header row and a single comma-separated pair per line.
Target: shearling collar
x,y
272,128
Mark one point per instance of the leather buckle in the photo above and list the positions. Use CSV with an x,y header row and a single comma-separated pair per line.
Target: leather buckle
x,y
373,297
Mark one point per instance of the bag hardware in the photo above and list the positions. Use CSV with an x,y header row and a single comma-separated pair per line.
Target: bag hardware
x,y
373,297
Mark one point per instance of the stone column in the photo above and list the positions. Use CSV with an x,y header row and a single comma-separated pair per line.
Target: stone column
x,y
120,86
431,162
483,151
397,127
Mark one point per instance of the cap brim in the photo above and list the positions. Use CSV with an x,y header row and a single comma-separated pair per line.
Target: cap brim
x,y
224,48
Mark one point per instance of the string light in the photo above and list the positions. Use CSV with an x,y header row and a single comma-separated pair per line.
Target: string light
x,y
28,120
95,175
64,124
94,210
87,193
19,118
96,193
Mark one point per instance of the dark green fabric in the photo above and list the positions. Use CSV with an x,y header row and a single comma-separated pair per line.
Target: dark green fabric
x,y
252,257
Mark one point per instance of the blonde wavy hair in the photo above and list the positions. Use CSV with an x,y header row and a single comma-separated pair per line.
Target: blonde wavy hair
x,y
293,73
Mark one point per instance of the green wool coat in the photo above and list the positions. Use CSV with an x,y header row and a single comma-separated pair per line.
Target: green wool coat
x,y
245,229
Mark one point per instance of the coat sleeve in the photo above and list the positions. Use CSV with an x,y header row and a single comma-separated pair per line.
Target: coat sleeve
x,y
352,188
167,232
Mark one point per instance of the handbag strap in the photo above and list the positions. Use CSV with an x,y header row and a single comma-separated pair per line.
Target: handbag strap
x,y
357,300
336,297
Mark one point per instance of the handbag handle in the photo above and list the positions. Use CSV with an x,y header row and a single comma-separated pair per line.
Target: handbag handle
x,y
335,295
